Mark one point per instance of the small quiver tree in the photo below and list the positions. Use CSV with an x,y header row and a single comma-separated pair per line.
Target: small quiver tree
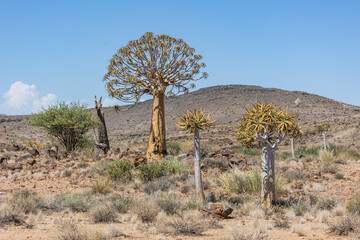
x,y
158,65
323,129
102,140
293,135
68,123
267,125
194,121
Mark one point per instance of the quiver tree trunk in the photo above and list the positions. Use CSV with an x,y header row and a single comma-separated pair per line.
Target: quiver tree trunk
x,y
267,176
324,138
268,169
200,197
157,146
103,140
292,148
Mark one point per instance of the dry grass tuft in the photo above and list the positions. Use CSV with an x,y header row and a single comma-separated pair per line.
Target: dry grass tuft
x,y
103,214
184,225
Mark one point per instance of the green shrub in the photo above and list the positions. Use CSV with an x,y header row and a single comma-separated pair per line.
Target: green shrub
x,y
73,201
156,169
122,204
173,148
192,205
237,181
305,151
174,166
248,151
66,122
102,187
152,170
300,208
284,155
120,170
353,206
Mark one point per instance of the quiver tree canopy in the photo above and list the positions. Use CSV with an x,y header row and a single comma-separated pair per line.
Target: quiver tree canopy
x,y
158,65
151,64
265,119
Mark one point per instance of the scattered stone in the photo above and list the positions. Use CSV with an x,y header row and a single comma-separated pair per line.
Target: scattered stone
x,y
217,209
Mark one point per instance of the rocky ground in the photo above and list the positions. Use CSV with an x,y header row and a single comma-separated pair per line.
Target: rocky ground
x,y
312,200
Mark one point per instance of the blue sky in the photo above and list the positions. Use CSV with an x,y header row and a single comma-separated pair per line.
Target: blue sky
x,y
59,50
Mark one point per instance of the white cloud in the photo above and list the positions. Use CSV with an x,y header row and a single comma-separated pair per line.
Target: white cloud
x,y
23,98
109,102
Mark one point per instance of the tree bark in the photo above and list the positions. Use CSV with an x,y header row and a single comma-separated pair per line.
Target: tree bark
x,y
198,178
324,138
268,169
102,131
157,146
267,176
292,148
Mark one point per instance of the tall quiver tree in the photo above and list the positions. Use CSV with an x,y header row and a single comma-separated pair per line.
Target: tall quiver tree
x,y
103,139
267,125
323,129
194,121
158,65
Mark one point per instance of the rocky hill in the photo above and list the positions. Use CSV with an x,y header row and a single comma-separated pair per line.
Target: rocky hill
x,y
226,105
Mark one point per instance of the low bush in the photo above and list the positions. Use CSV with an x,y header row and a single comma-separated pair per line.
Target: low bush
x,y
211,163
305,151
169,205
101,186
69,231
156,169
327,204
103,213
146,210
237,181
7,218
346,225
248,151
173,148
174,166
26,202
73,201
120,170
300,208
188,225
353,206
162,184
122,204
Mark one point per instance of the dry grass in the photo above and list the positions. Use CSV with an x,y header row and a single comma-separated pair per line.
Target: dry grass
x,y
346,225
103,214
146,210
190,224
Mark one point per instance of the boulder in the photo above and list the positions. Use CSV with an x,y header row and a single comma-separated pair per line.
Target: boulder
x,y
218,209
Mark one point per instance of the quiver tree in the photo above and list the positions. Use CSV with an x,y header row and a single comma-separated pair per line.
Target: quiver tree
x,y
263,123
102,140
323,129
194,121
293,135
158,65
